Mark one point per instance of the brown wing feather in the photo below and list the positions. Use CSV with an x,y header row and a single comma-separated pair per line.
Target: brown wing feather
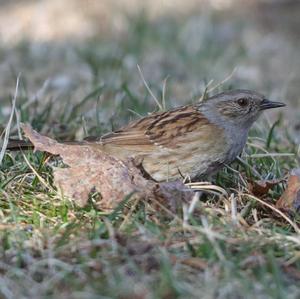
x,y
159,128
134,133
168,130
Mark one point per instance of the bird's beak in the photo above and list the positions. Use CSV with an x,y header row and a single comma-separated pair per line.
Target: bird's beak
x,y
266,104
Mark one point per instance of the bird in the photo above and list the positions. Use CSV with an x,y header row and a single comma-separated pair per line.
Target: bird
x,y
192,141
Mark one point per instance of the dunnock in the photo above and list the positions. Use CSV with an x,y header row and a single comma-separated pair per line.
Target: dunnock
x,y
193,140
189,141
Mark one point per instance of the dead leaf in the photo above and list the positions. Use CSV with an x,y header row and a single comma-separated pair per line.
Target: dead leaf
x,y
91,170
290,199
262,187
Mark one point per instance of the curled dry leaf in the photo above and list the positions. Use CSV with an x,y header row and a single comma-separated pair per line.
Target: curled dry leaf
x,y
262,187
290,199
91,170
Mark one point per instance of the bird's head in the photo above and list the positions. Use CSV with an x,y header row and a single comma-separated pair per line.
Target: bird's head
x,y
238,107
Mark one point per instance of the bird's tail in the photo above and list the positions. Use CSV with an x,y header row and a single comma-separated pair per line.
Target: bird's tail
x,y
17,145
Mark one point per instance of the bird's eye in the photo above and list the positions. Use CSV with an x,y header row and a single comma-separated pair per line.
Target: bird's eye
x,y
242,102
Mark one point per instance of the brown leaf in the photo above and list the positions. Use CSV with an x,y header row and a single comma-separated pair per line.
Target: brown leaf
x,y
91,170
262,187
290,199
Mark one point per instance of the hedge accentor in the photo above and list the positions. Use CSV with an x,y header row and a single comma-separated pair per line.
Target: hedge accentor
x,y
193,140
189,141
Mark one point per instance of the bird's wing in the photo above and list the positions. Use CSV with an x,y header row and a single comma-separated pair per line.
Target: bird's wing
x,y
162,129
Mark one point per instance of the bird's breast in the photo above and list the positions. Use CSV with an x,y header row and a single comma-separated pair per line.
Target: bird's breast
x,y
236,140
196,155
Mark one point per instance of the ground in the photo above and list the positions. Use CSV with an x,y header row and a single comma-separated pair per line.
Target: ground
x,y
78,76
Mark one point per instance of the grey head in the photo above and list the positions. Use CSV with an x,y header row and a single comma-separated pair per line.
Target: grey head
x,y
238,108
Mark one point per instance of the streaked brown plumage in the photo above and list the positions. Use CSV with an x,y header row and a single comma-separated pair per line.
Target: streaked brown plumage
x,y
167,144
188,141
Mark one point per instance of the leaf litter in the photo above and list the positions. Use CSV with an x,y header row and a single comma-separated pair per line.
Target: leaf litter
x,y
90,170
290,199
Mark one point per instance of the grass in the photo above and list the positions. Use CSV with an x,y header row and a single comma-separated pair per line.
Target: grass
x,y
231,246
